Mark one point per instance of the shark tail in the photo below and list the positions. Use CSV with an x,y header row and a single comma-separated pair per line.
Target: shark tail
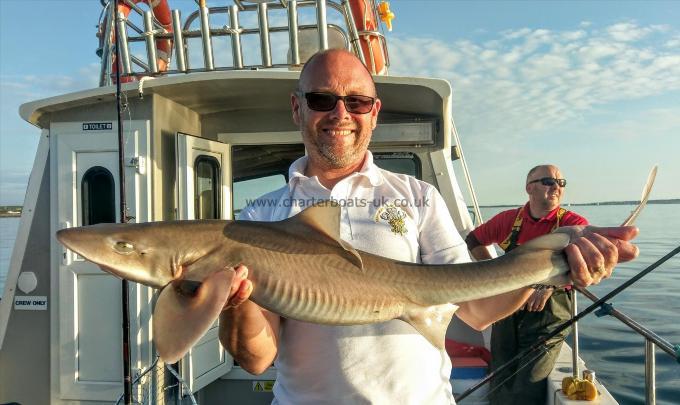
x,y
643,199
185,310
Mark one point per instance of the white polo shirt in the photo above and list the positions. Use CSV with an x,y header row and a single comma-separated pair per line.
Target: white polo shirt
x,y
384,213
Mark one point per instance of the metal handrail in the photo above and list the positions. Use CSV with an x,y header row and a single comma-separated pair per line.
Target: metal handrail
x,y
182,31
466,172
652,340
636,326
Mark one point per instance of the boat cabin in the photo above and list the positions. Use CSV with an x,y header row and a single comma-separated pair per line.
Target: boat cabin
x,y
197,143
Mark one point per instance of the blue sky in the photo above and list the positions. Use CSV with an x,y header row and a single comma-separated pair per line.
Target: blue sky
x,y
592,86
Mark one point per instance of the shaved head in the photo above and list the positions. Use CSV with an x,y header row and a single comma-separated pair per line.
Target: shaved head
x,y
535,169
329,61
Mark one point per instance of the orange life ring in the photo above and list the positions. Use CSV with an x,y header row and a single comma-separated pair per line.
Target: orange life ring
x,y
371,45
161,11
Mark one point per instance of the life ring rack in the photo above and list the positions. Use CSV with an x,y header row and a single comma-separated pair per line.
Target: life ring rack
x,y
161,12
372,43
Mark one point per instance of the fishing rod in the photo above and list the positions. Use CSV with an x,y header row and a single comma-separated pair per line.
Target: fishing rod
x,y
125,306
537,346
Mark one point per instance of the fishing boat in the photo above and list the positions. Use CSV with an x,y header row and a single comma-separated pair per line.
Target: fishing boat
x,y
192,126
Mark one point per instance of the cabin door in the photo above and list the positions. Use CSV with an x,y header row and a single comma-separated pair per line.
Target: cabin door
x,y
85,187
204,192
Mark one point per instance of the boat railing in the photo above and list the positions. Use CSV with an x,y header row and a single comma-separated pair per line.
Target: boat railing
x,y
652,341
302,38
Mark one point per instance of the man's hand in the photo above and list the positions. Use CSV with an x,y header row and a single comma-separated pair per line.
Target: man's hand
x,y
247,331
241,288
594,251
536,301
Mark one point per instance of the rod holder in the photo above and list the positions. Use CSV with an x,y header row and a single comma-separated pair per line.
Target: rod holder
x,y
265,46
293,33
650,372
105,70
236,51
353,33
207,41
179,41
150,40
123,42
321,24
574,331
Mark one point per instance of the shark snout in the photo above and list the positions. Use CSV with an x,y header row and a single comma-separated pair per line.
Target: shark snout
x,y
69,237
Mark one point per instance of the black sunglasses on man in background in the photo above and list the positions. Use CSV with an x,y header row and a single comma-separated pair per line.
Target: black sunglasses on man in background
x,y
550,181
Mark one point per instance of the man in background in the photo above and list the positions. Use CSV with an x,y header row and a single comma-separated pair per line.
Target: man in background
x,y
546,308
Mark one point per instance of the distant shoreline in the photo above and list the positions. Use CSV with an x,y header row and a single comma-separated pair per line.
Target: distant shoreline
x,y
10,211
667,201
10,214
15,211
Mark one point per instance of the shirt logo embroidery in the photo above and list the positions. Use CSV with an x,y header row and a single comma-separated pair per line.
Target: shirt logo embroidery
x,y
394,216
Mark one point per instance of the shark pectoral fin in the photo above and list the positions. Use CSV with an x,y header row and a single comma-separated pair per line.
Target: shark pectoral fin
x,y
185,310
431,322
552,241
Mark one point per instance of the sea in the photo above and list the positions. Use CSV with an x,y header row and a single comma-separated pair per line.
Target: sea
x,y
609,347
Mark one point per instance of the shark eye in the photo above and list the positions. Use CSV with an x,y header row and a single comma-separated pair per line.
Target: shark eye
x,y
124,247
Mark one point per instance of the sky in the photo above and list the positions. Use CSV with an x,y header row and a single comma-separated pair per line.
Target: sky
x,y
591,86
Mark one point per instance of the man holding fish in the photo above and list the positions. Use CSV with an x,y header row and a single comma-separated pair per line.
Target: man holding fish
x,y
336,108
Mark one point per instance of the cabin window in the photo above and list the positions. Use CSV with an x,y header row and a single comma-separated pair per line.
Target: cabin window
x,y
207,188
259,169
399,162
98,194
246,191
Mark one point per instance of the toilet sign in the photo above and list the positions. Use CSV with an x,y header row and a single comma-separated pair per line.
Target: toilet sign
x,y
97,126
30,303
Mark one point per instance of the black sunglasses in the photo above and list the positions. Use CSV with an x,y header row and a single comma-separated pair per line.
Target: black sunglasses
x,y
550,181
355,104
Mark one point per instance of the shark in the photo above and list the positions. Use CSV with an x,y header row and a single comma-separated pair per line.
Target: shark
x,y
301,269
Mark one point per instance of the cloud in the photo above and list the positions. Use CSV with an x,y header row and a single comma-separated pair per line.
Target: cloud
x,y
524,81
22,88
673,42
653,123
627,32
18,139
13,186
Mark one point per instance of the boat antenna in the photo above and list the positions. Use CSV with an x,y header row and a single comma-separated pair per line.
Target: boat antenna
x,y
602,302
125,307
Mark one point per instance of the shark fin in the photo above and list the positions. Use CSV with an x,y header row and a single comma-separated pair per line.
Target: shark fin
x,y
185,310
324,217
431,322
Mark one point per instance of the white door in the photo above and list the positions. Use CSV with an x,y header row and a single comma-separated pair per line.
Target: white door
x,y
88,331
204,192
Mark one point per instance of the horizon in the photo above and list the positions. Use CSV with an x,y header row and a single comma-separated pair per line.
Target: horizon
x,y
621,202
589,87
